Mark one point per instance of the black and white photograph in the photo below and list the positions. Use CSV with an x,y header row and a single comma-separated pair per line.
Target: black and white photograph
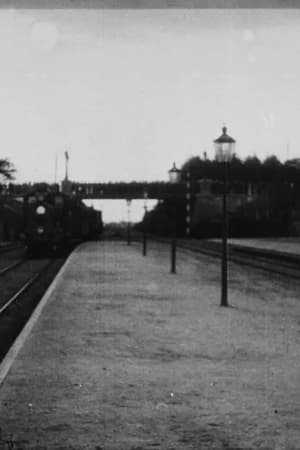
x,y
149,225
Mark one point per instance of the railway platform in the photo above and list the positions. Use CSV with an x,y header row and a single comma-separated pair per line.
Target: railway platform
x,y
121,354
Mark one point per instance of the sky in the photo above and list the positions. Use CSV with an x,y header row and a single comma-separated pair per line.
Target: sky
x,y
128,92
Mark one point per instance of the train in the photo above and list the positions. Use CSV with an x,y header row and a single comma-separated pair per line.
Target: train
x,y
53,221
11,218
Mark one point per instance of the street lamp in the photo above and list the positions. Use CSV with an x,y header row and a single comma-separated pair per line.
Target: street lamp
x,y
224,148
144,225
174,174
128,201
174,177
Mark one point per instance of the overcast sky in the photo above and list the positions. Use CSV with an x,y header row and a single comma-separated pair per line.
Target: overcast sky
x,y
127,92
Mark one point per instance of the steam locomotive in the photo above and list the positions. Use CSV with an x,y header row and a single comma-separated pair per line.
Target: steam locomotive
x,y
54,221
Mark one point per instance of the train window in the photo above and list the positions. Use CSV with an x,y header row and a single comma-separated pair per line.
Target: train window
x,y
41,198
58,200
31,200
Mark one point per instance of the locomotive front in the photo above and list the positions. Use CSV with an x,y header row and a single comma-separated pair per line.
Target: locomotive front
x,y
43,220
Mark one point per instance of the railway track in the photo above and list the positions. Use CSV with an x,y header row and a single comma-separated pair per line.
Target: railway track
x,y
10,267
7,299
11,258
282,264
10,248
23,284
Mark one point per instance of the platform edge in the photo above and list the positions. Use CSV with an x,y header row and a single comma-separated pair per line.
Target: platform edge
x,y
14,350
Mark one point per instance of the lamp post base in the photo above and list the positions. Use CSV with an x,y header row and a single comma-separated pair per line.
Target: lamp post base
x,y
173,255
224,283
128,236
144,245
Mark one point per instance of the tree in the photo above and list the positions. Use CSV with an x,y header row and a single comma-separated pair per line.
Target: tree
x,y
7,170
236,168
272,161
252,169
271,169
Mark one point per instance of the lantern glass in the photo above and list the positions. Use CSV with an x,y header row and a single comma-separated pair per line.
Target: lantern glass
x,y
174,175
224,147
224,151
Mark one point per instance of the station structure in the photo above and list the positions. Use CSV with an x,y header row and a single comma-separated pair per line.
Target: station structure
x,y
197,194
109,191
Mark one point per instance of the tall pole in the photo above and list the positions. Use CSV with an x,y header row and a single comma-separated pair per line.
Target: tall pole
x,y
188,205
128,233
67,165
144,228
144,241
224,288
128,222
173,242
55,169
175,176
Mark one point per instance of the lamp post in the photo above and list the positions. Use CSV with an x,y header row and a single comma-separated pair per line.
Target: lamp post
x,y
188,205
174,177
144,225
224,147
128,201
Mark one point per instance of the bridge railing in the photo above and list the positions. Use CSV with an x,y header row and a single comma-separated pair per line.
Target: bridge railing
x,y
120,190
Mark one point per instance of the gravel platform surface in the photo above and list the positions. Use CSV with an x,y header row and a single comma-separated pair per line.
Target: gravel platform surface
x,y
126,356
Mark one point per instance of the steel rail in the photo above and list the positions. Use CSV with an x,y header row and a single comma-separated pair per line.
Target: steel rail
x,y
273,266
10,247
283,264
28,283
10,267
258,260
